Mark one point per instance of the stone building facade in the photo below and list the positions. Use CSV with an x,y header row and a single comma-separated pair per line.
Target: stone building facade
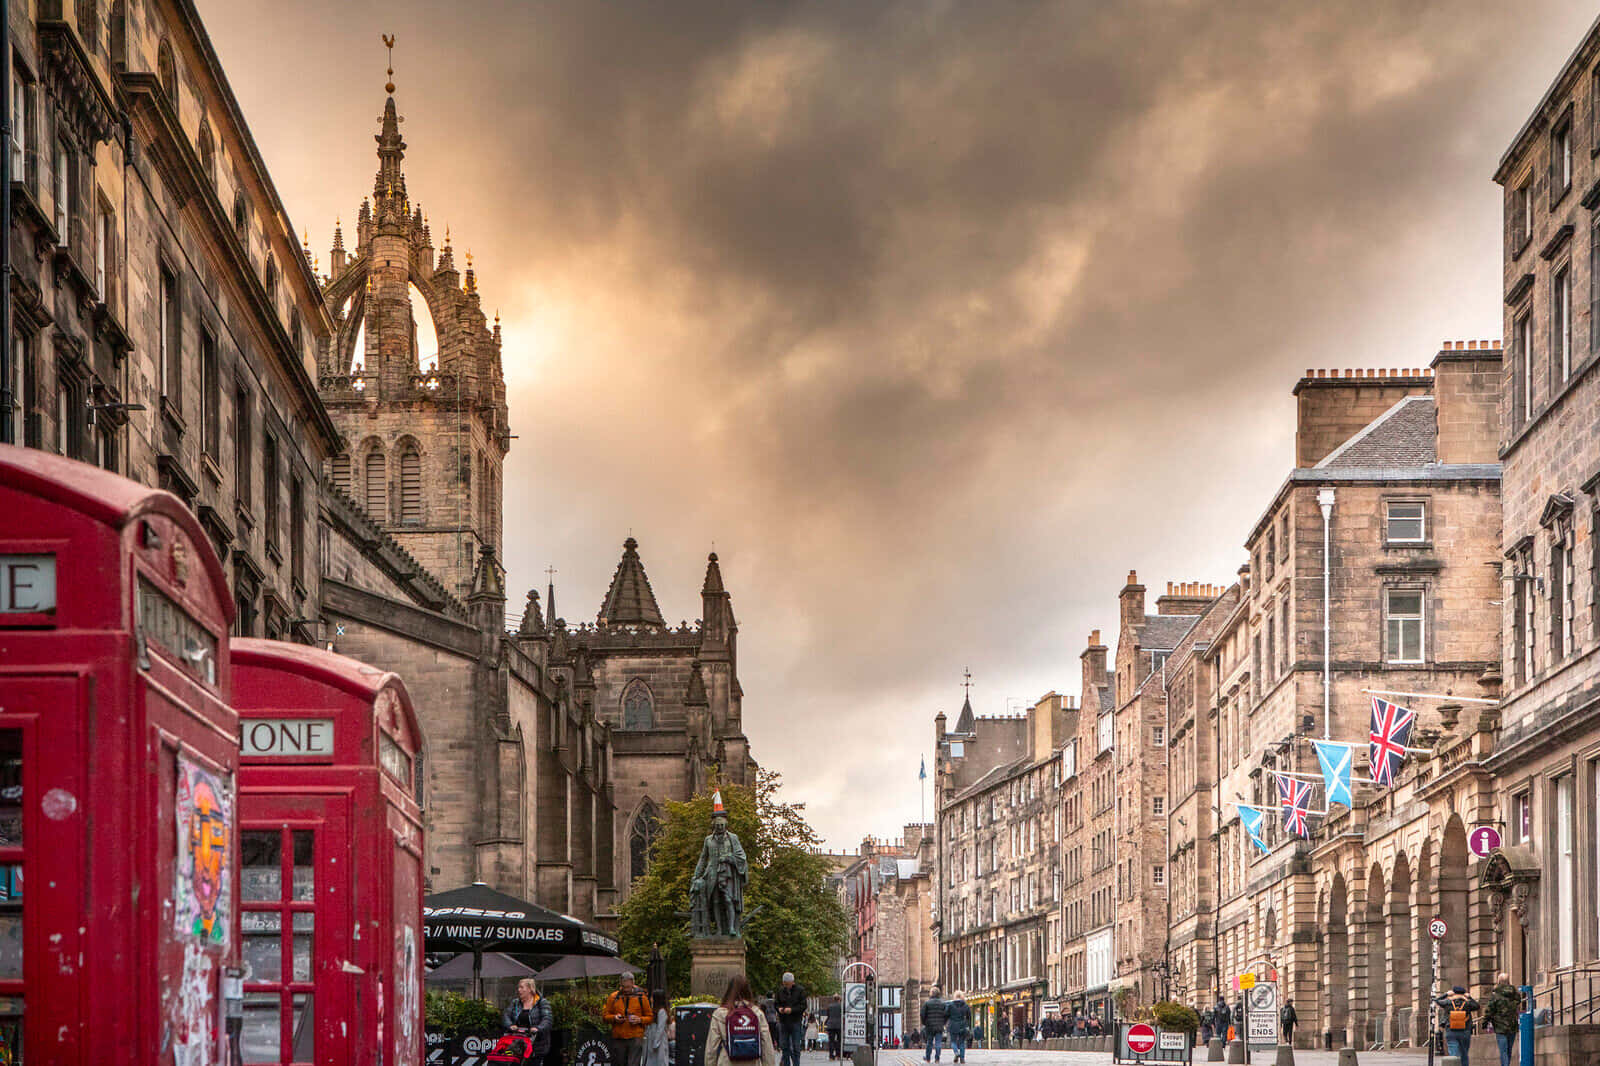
x,y
1541,886
999,835
889,893
1402,462
152,332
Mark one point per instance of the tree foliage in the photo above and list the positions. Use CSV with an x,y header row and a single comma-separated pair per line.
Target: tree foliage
x,y
792,920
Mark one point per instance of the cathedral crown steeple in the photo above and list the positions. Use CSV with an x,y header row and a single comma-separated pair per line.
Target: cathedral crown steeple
x,y
630,600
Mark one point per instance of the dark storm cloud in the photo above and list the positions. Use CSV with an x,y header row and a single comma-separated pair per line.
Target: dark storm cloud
x,y
936,317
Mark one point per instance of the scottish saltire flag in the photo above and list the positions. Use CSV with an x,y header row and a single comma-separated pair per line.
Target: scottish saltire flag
x,y
1253,819
1336,760
1296,797
1391,733
922,771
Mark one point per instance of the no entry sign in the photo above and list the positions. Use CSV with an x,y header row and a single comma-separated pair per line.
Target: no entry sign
x,y
1141,1038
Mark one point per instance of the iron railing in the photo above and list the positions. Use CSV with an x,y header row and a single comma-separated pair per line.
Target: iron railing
x,y
1573,998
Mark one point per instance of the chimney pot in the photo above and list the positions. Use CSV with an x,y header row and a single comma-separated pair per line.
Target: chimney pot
x,y
1133,577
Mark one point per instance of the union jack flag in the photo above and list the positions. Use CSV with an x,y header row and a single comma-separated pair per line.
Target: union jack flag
x,y
1296,797
1391,733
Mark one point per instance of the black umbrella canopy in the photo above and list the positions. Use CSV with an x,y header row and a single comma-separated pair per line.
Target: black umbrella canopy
x,y
477,917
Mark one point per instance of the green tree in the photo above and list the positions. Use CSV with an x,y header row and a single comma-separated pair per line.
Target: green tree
x,y
792,920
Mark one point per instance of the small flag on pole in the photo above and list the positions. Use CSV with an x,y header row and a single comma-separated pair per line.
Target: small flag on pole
x,y
1253,818
1296,797
922,772
1386,744
1336,760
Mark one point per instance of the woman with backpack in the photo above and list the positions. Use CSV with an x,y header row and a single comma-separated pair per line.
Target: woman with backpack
x,y
739,1032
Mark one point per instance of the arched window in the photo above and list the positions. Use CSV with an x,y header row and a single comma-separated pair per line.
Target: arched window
x,y
638,711
241,217
167,72
410,487
646,827
207,152
377,486
341,473
271,281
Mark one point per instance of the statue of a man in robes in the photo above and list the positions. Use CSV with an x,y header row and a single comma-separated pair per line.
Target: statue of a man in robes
x,y
716,893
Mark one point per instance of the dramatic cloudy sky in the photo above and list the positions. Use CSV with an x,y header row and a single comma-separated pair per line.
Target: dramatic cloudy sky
x,y
935,318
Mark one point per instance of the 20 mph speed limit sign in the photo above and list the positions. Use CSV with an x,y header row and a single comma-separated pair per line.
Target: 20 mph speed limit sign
x,y
1438,929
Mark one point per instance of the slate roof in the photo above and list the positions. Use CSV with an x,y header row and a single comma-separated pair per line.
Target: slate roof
x,y
1404,435
629,601
966,721
1162,632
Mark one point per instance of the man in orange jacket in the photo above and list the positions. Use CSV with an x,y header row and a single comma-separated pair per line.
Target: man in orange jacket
x,y
628,1011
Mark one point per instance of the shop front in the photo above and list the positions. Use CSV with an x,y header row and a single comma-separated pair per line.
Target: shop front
x,y
331,847
119,930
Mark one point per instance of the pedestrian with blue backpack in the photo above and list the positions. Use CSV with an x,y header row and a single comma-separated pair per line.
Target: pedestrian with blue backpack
x,y
739,1033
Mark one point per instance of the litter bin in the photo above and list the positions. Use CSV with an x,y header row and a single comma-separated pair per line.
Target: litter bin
x,y
693,1026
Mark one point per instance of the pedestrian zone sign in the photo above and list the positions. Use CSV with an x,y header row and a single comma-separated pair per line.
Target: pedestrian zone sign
x,y
1261,1015
855,1014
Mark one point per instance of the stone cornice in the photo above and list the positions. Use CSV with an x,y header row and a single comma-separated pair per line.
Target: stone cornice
x,y
70,75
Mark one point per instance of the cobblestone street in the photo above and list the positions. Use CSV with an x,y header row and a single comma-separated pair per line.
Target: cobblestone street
x,y
1096,1058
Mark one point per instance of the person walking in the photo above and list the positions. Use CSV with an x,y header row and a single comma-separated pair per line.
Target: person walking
x,y
935,1016
657,1052
1457,1009
738,1031
628,1011
1503,1010
959,1026
530,1015
833,1022
1287,1020
791,1004
811,1032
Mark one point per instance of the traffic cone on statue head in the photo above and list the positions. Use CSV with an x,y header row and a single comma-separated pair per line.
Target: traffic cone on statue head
x,y
716,802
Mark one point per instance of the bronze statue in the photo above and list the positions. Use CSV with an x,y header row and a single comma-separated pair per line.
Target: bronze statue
x,y
716,895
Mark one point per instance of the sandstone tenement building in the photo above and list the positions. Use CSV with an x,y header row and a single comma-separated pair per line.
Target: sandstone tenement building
x,y
888,889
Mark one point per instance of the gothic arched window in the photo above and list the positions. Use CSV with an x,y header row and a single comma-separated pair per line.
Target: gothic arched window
x,y
638,712
646,827
167,73
410,486
272,281
377,486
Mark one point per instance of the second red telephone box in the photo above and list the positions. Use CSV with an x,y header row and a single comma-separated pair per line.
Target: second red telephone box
x,y
331,859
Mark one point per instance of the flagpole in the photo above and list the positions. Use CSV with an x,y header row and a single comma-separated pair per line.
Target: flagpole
x,y
1428,696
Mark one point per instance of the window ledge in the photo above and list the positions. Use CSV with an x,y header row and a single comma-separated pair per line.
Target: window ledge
x,y
1407,545
274,553
1562,195
172,416
241,511
208,466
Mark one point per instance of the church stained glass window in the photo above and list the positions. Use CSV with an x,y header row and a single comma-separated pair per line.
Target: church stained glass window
x,y
646,827
637,709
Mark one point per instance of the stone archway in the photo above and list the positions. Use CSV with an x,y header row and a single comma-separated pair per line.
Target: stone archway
x,y
1399,959
1336,969
1423,908
1377,988
1451,892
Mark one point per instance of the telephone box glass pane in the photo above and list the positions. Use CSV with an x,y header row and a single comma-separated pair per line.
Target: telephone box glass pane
x,y
263,945
10,923
262,1033
304,1027
304,871
304,924
261,862
10,789
11,1030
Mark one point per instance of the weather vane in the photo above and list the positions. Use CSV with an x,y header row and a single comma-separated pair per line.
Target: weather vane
x,y
388,42
966,683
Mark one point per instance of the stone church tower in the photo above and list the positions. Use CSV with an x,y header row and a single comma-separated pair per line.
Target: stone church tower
x,y
426,434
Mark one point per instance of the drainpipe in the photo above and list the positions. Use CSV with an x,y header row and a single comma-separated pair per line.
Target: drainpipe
x,y
1325,501
7,372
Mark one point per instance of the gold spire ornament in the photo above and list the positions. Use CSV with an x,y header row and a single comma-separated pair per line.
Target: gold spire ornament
x,y
388,42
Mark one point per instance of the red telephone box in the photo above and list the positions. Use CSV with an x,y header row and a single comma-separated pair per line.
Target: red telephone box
x,y
331,868
118,756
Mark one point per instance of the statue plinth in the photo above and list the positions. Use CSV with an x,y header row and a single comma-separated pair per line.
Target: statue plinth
x,y
712,961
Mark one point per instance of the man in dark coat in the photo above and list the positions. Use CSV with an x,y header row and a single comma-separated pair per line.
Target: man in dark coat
x,y
834,1018
791,1004
935,1015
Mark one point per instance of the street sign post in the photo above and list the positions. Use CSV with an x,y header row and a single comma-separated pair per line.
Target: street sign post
x,y
855,1014
1438,929
1482,840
